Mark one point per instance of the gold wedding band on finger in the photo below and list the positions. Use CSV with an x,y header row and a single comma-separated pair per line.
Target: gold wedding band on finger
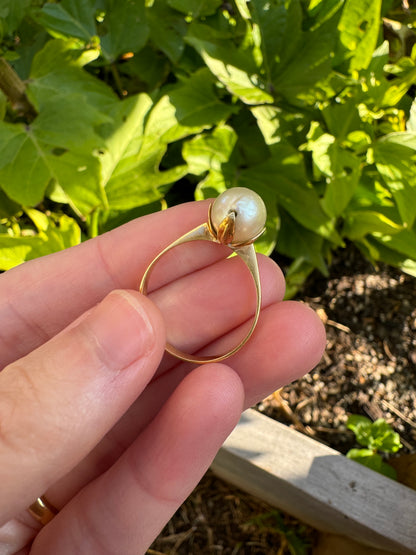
x,y
42,510
236,219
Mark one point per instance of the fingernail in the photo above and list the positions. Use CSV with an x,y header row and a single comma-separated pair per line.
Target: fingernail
x,y
121,328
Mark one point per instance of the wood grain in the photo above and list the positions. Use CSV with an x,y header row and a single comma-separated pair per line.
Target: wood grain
x,y
317,484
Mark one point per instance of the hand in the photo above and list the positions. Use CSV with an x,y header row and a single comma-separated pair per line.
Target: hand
x,y
94,416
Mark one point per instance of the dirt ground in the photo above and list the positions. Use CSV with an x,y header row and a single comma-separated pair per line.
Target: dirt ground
x,y
369,368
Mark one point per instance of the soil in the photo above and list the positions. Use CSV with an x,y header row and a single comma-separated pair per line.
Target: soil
x,y
369,368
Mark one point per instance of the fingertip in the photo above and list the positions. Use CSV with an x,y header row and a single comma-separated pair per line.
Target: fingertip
x,y
302,338
224,389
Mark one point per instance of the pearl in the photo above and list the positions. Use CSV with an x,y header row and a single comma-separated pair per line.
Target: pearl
x,y
249,210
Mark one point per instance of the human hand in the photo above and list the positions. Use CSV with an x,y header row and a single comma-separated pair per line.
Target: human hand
x,y
94,416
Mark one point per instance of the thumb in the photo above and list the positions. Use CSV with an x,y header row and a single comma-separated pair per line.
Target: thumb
x,y
58,402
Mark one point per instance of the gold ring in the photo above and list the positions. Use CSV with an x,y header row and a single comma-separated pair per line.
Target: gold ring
x,y
42,510
236,218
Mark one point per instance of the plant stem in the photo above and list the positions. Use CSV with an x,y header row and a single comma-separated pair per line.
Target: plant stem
x,y
117,80
15,90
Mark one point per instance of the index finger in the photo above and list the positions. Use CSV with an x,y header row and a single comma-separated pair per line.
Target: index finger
x,y
41,297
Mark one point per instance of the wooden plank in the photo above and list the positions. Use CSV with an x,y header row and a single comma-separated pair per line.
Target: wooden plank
x,y
317,484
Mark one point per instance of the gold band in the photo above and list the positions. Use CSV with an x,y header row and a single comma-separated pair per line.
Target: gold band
x,y
246,252
42,510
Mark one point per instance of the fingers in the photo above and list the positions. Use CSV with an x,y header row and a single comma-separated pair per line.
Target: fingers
x,y
288,342
41,297
57,403
204,305
124,509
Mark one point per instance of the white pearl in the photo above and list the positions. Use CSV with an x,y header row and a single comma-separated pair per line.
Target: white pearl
x,y
249,209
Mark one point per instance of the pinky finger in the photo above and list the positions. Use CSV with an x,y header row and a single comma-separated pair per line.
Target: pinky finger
x,y
123,510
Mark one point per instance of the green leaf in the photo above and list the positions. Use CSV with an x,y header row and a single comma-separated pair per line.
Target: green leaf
x,y
403,242
296,275
411,122
57,69
359,223
395,157
15,250
12,13
372,460
376,436
56,232
342,118
295,241
234,68
209,151
385,439
125,28
283,175
310,63
377,251
399,87
167,30
268,120
63,143
187,109
8,208
279,25
360,455
341,169
33,156
122,26
196,8
361,426
69,18
359,27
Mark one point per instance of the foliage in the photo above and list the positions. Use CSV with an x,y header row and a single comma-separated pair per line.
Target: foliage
x,y
138,104
374,437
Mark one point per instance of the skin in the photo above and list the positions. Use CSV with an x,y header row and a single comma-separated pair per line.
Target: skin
x,y
95,416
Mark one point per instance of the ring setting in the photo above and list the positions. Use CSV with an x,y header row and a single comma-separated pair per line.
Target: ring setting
x,y
236,219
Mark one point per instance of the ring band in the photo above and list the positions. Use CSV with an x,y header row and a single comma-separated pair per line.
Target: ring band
x,y
42,510
235,219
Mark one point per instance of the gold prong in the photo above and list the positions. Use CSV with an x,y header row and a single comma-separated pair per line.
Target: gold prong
x,y
226,229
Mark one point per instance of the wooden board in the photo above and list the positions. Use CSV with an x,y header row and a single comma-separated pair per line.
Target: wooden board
x,y
317,484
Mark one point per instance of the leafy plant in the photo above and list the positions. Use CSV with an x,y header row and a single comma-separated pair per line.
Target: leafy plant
x,y
114,109
374,437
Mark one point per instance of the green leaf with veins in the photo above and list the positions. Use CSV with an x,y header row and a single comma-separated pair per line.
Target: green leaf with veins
x,y
233,67
125,28
62,144
359,26
185,110
69,18
122,27
208,152
340,167
283,175
277,21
